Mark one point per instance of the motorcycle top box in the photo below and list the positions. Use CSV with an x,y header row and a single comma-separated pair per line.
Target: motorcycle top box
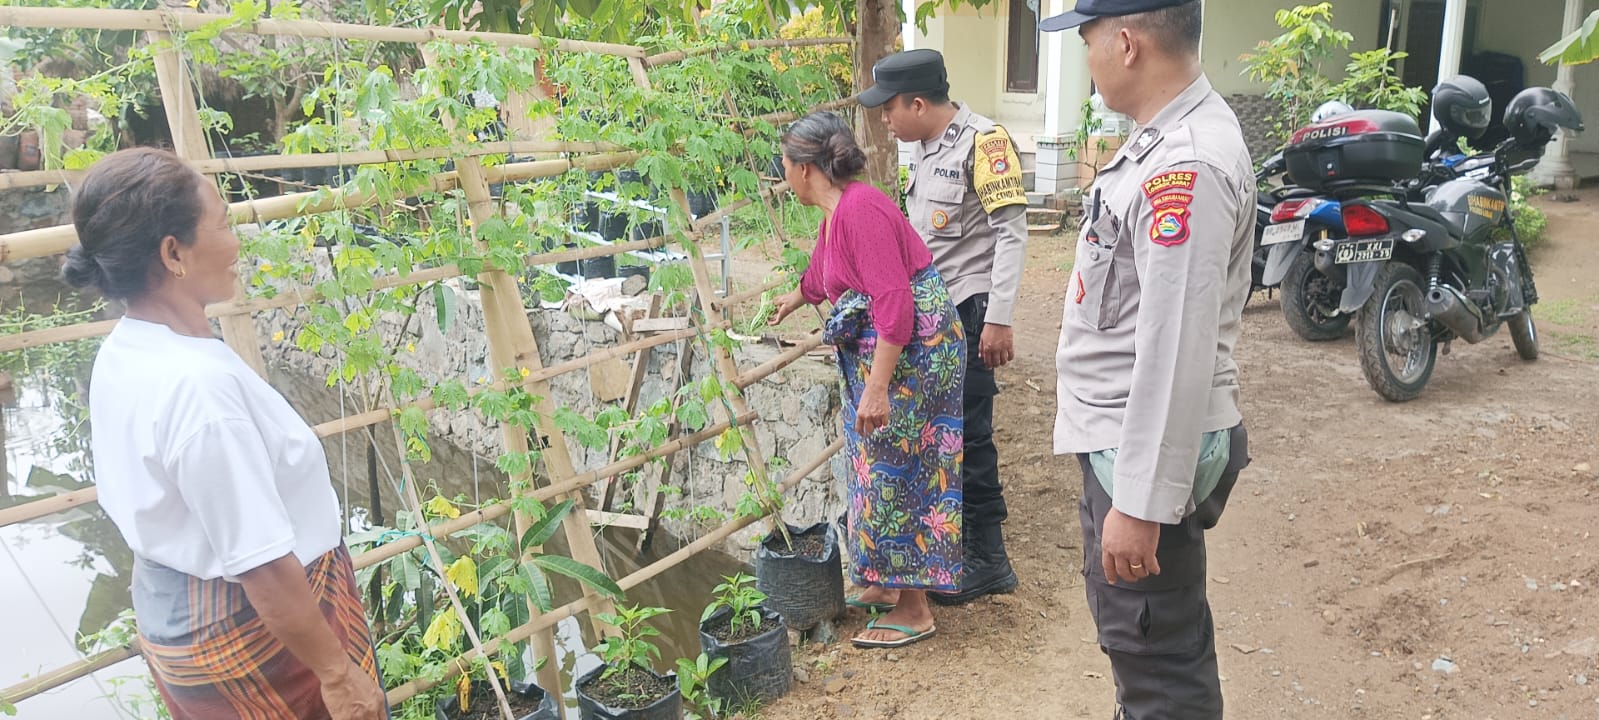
x,y
1361,147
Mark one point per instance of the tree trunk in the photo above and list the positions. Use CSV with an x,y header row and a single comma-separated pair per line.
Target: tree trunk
x,y
876,31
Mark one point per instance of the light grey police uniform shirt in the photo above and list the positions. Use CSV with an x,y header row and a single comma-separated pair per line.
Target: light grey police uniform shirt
x,y
966,199
1155,303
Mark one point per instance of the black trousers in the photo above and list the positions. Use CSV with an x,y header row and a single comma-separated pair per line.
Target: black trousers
x,y
984,502
1158,632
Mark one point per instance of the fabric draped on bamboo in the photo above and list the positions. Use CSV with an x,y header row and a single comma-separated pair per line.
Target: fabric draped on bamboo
x,y
212,656
905,480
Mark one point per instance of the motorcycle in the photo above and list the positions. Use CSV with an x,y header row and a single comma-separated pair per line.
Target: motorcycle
x,y
1288,221
1434,257
1297,220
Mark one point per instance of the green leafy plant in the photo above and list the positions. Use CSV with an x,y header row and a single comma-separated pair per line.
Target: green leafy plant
x,y
1531,222
1291,66
1580,47
135,693
737,595
693,678
631,646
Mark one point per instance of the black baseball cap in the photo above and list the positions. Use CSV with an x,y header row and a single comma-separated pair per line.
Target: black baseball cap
x,y
1087,10
912,71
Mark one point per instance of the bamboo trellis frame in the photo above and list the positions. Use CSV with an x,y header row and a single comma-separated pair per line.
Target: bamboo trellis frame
x,y
511,341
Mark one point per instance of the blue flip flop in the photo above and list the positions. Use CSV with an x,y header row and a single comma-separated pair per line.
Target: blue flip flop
x,y
879,608
911,636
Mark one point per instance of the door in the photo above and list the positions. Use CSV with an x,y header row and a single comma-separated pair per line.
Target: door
x,y
1021,47
1423,35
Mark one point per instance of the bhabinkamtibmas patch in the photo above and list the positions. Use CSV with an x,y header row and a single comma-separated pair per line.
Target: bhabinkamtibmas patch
x,y
1175,180
997,171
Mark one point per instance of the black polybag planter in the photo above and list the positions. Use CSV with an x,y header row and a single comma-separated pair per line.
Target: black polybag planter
x,y
599,267
586,217
759,669
666,708
805,591
613,226
701,203
626,271
569,267
547,710
646,230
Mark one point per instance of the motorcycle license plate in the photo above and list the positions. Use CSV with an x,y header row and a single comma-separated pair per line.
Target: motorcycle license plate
x,y
1363,251
1286,232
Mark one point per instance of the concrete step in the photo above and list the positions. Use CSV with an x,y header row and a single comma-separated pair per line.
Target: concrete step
x,y
1044,219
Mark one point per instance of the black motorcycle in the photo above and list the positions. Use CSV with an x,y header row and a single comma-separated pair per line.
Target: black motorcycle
x,y
1432,253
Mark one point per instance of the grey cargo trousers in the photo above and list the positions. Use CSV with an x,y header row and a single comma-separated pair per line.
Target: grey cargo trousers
x,y
1158,631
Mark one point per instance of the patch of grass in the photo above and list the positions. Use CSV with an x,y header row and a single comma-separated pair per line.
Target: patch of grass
x,y
1582,347
1563,312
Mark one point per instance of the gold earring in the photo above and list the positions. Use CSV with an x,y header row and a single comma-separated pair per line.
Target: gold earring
x,y
180,272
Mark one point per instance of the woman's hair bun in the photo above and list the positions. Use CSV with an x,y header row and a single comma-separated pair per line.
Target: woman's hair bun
x,y
823,139
81,269
845,159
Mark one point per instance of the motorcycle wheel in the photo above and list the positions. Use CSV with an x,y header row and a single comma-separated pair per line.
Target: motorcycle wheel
x,y
1524,334
1302,287
1397,350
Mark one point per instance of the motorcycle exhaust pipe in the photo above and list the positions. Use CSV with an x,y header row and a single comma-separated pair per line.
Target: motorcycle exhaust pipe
x,y
1446,305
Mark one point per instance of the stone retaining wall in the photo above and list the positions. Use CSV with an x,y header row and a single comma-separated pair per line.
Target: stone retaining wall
x,y
798,406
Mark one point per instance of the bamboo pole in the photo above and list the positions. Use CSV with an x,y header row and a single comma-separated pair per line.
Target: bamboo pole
x,y
426,536
783,360
673,56
774,118
100,328
55,240
447,528
711,220
735,299
258,163
49,506
188,140
722,363
411,689
60,676
164,20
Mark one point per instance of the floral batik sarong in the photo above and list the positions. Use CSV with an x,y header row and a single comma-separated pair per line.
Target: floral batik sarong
x,y
905,482
214,659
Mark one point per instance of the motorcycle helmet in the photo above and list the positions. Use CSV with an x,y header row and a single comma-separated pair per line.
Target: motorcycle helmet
x,y
1331,108
1534,114
1462,106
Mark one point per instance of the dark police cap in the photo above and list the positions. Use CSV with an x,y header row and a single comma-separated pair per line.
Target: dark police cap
x,y
912,71
1087,10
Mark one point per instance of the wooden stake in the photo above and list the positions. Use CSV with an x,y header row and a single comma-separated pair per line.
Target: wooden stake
x,y
188,139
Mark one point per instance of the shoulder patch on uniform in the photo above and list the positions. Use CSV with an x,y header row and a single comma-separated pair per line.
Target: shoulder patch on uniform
x,y
1170,227
1174,180
997,171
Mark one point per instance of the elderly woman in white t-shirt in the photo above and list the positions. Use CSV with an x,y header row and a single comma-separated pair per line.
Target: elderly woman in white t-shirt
x,y
245,596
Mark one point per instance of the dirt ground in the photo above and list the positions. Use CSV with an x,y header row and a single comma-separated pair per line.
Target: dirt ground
x,y
1428,560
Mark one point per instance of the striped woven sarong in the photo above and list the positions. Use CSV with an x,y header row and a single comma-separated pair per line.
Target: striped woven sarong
x,y
214,659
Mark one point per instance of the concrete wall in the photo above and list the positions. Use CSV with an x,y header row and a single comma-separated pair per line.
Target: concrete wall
x,y
973,43
1525,29
798,406
1234,27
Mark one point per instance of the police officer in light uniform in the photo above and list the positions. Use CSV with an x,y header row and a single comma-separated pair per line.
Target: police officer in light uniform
x,y
1147,387
966,199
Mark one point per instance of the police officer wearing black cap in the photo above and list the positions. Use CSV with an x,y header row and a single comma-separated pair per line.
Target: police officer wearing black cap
x,y
966,199
1147,386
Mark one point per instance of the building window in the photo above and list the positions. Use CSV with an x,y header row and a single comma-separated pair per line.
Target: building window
x,y
1021,48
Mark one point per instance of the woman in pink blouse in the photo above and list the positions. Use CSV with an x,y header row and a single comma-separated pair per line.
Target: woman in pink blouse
x,y
901,354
